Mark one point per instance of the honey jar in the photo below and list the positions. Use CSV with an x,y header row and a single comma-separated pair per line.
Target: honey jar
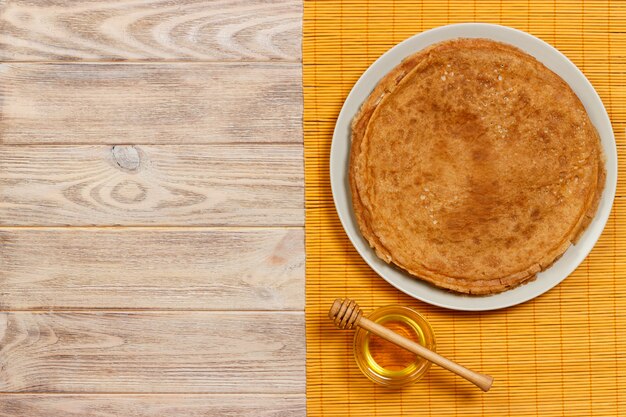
x,y
385,363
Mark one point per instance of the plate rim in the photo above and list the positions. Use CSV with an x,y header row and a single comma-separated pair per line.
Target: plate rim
x,y
404,49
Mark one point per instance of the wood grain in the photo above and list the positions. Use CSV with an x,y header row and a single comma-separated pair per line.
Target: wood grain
x,y
150,30
214,405
168,103
194,352
208,269
204,185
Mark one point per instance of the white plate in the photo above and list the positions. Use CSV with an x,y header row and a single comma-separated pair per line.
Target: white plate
x,y
340,151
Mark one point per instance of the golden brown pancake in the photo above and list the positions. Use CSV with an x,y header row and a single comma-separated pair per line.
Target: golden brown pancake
x,y
473,166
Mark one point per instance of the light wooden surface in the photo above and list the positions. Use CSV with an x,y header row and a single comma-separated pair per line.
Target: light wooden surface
x,y
225,30
186,405
195,185
181,352
152,268
151,208
164,103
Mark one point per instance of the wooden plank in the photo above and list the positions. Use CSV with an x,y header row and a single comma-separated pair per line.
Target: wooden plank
x,y
168,103
150,30
214,405
204,185
194,352
209,269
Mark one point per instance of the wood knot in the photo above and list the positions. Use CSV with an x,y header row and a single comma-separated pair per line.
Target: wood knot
x,y
126,157
345,313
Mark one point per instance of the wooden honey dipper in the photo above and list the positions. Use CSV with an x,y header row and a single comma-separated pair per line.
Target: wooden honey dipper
x,y
346,314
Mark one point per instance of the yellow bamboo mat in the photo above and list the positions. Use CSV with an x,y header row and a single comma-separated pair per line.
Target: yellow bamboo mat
x,y
562,354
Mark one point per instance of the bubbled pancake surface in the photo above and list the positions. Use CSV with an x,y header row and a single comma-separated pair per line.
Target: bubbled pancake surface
x,y
473,166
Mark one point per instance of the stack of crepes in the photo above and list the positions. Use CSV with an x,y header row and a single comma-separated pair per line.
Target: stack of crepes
x,y
473,166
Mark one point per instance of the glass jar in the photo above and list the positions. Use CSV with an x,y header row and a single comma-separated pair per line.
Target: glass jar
x,y
385,363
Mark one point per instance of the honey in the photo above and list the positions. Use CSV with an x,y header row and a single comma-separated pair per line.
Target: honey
x,y
382,361
387,355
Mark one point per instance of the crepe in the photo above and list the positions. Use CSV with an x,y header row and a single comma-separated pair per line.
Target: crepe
x,y
473,166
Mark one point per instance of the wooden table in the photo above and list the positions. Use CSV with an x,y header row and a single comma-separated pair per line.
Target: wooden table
x,y
151,208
